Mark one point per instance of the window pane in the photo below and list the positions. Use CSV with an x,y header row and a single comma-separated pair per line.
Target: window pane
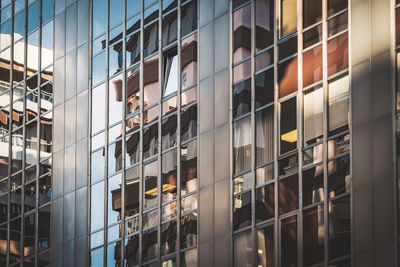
x,y
338,145
132,49
188,123
313,115
264,135
313,236
189,96
241,98
131,191
132,149
98,68
169,211
168,132
115,100
241,210
289,242
189,230
99,17
150,141
312,36
264,92
339,176
115,58
288,125
149,245
15,240
338,54
312,66
189,61
150,218
287,77
97,206
168,237
150,44
170,73
338,104
243,249
241,33
114,186
170,28
242,142
265,203
116,11
132,90
287,48
98,108
339,228
241,71
264,23
132,250
312,12
242,182
337,24
289,16
335,6
169,172
97,165
264,59
264,174
151,89
150,184
189,167
265,247
132,7
288,194
313,185
189,18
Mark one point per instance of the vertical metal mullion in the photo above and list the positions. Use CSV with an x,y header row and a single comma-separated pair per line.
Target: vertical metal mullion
x,y
141,177
325,123
123,125
253,130
178,140
300,130
276,135
159,165
231,245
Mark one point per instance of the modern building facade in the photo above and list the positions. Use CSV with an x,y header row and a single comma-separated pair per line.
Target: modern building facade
x,y
199,133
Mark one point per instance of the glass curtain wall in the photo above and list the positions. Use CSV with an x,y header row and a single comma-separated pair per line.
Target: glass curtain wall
x,y
290,127
144,95
26,119
397,112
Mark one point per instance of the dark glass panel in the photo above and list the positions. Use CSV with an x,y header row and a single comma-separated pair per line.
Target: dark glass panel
x,y
265,247
189,230
44,260
288,16
98,108
287,77
313,236
132,90
265,203
398,26
45,189
44,228
170,61
288,48
151,93
188,17
168,237
150,218
312,36
99,18
131,192
264,13
288,194
132,149
189,61
241,71
241,33
341,263
313,185
168,132
243,249
189,167
339,228
312,66
114,187
337,24
169,28
150,141
339,176
30,197
97,206
241,98
132,251
288,165
132,50
313,115
312,12
29,235
264,92
289,242
150,184
265,135
15,240
288,125
149,248
16,180
339,145
15,203
338,58
188,122
242,182
241,210
242,142
3,207
115,100
169,175
150,44
264,59
335,6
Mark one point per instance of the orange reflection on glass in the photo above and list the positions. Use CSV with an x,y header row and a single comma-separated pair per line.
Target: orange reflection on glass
x,y
189,96
169,106
151,93
150,115
338,58
312,66
287,75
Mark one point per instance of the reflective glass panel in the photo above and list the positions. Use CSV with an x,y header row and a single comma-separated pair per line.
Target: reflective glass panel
x,y
264,135
189,230
188,17
339,228
149,247
288,125
312,36
289,242
313,185
150,44
151,93
169,175
338,109
265,247
169,211
131,191
243,249
339,176
168,237
313,236
287,77
150,141
242,141
189,61
312,66
264,12
150,184
132,90
338,58
189,167
335,6
241,210
288,16
313,115
168,132
115,100
241,98
241,33
169,29
132,149
312,12
265,203
170,73
98,108
337,24
288,194
97,206
97,165
188,122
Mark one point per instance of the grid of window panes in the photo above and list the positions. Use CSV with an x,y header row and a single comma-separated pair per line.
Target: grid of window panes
x,y
290,159
144,133
26,104
397,112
